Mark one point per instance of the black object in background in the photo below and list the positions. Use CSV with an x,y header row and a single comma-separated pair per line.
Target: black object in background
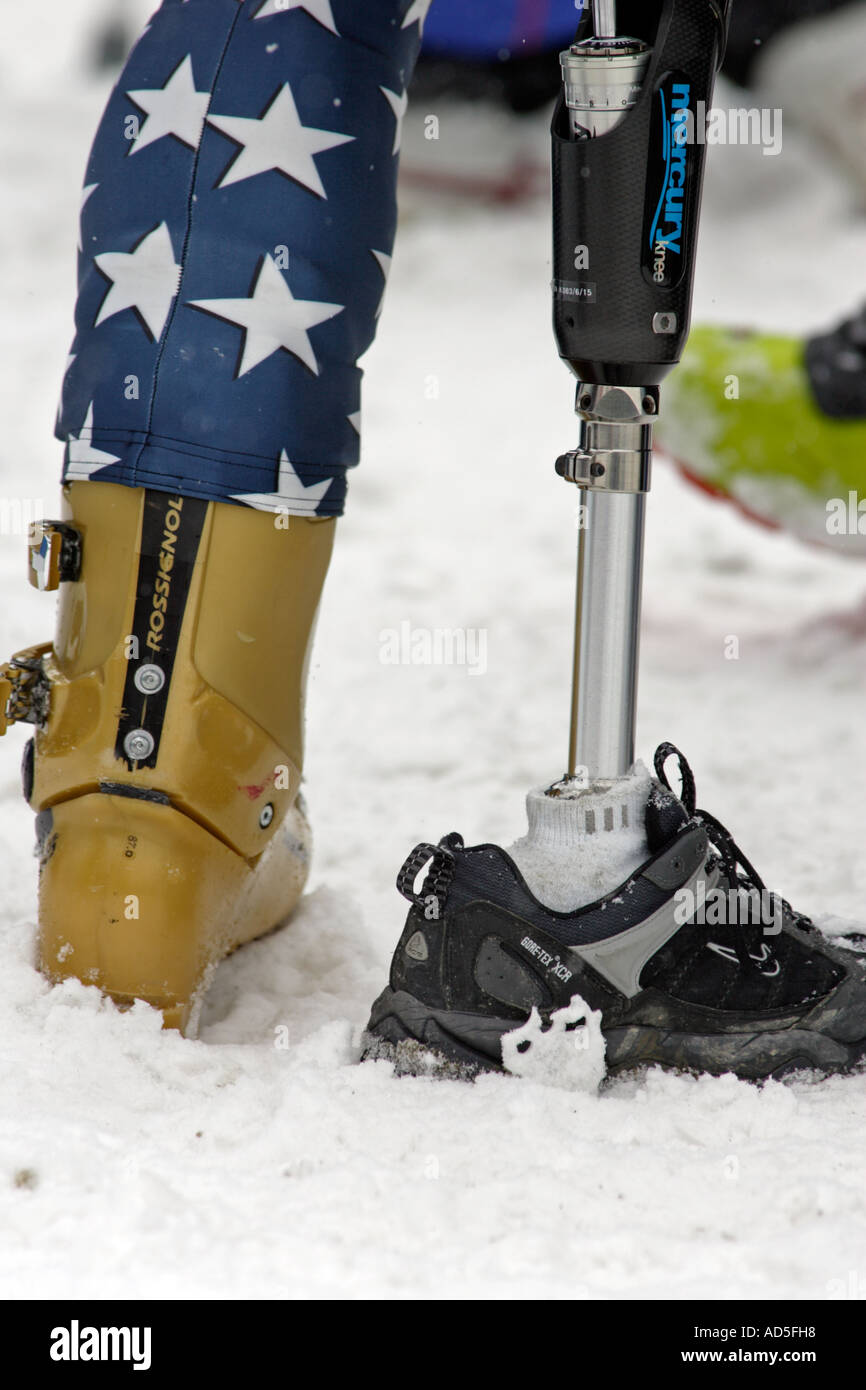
x,y
526,82
754,22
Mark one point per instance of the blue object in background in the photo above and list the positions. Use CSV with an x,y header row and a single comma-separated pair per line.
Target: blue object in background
x,y
482,29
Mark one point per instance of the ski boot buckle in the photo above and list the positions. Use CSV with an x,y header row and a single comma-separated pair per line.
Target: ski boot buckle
x,y
53,554
24,687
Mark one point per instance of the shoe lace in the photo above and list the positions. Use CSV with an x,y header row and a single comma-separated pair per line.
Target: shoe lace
x,y
736,867
434,892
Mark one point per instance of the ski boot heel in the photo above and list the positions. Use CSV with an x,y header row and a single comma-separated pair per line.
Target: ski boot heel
x,y
166,760
139,899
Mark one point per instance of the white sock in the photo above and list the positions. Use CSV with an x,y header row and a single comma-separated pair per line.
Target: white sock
x,y
582,845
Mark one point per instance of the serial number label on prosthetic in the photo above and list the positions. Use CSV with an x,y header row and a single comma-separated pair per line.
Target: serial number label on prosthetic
x,y
551,963
583,290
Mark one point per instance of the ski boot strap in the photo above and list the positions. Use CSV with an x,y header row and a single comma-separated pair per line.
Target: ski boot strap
x,y
53,558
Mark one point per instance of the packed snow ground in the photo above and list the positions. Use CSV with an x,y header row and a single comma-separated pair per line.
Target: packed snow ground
x,y
135,1163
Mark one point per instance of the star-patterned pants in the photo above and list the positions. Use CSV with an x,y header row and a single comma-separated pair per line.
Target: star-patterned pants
x,y
237,224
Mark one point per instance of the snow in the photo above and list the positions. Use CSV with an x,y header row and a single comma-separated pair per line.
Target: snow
x,y
567,1054
261,1161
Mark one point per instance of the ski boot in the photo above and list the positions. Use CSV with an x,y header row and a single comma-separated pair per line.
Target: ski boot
x,y
166,759
777,426
694,966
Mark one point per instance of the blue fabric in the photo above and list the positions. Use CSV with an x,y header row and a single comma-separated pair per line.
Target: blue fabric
x,y
489,28
223,302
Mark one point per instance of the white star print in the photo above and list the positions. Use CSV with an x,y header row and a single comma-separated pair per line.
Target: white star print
x,y
417,12
383,260
320,10
291,493
398,105
175,109
85,194
355,421
145,279
272,319
82,458
69,361
279,141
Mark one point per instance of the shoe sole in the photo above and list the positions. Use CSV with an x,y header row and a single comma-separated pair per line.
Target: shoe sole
x,y
420,1040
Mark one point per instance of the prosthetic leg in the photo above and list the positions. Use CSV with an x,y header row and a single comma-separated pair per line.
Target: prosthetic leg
x,y
627,172
493,969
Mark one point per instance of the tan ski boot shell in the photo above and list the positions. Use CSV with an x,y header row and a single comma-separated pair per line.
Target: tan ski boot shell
x,y
165,775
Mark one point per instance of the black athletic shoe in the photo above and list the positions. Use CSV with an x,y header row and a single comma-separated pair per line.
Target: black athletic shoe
x,y
693,964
